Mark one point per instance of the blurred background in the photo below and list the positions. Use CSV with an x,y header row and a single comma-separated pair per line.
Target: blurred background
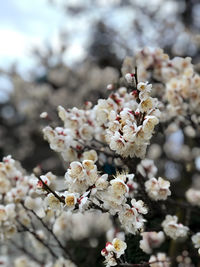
x,y
56,52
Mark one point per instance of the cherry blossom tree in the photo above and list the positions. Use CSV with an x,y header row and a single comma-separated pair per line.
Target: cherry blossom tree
x,y
129,194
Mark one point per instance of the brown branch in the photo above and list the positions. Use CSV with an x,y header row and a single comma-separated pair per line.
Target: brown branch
x,y
39,239
142,264
49,190
136,77
111,153
27,253
52,233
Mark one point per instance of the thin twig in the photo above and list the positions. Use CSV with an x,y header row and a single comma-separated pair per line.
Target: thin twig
x,y
39,239
27,253
142,264
52,233
108,154
136,76
49,190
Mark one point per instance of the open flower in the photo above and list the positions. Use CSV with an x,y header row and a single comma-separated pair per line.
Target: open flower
x,y
157,189
118,187
70,200
174,229
53,202
196,241
119,247
151,240
113,250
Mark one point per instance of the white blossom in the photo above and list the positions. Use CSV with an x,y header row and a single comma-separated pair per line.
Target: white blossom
x,y
157,189
196,241
193,196
174,229
151,240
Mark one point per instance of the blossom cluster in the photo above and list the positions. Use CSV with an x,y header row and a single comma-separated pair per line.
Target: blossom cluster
x,y
109,186
21,193
174,229
157,189
14,188
125,121
129,119
78,125
86,189
22,105
113,251
176,78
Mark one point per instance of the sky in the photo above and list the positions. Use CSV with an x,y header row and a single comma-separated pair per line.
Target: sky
x,y
26,24
23,25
